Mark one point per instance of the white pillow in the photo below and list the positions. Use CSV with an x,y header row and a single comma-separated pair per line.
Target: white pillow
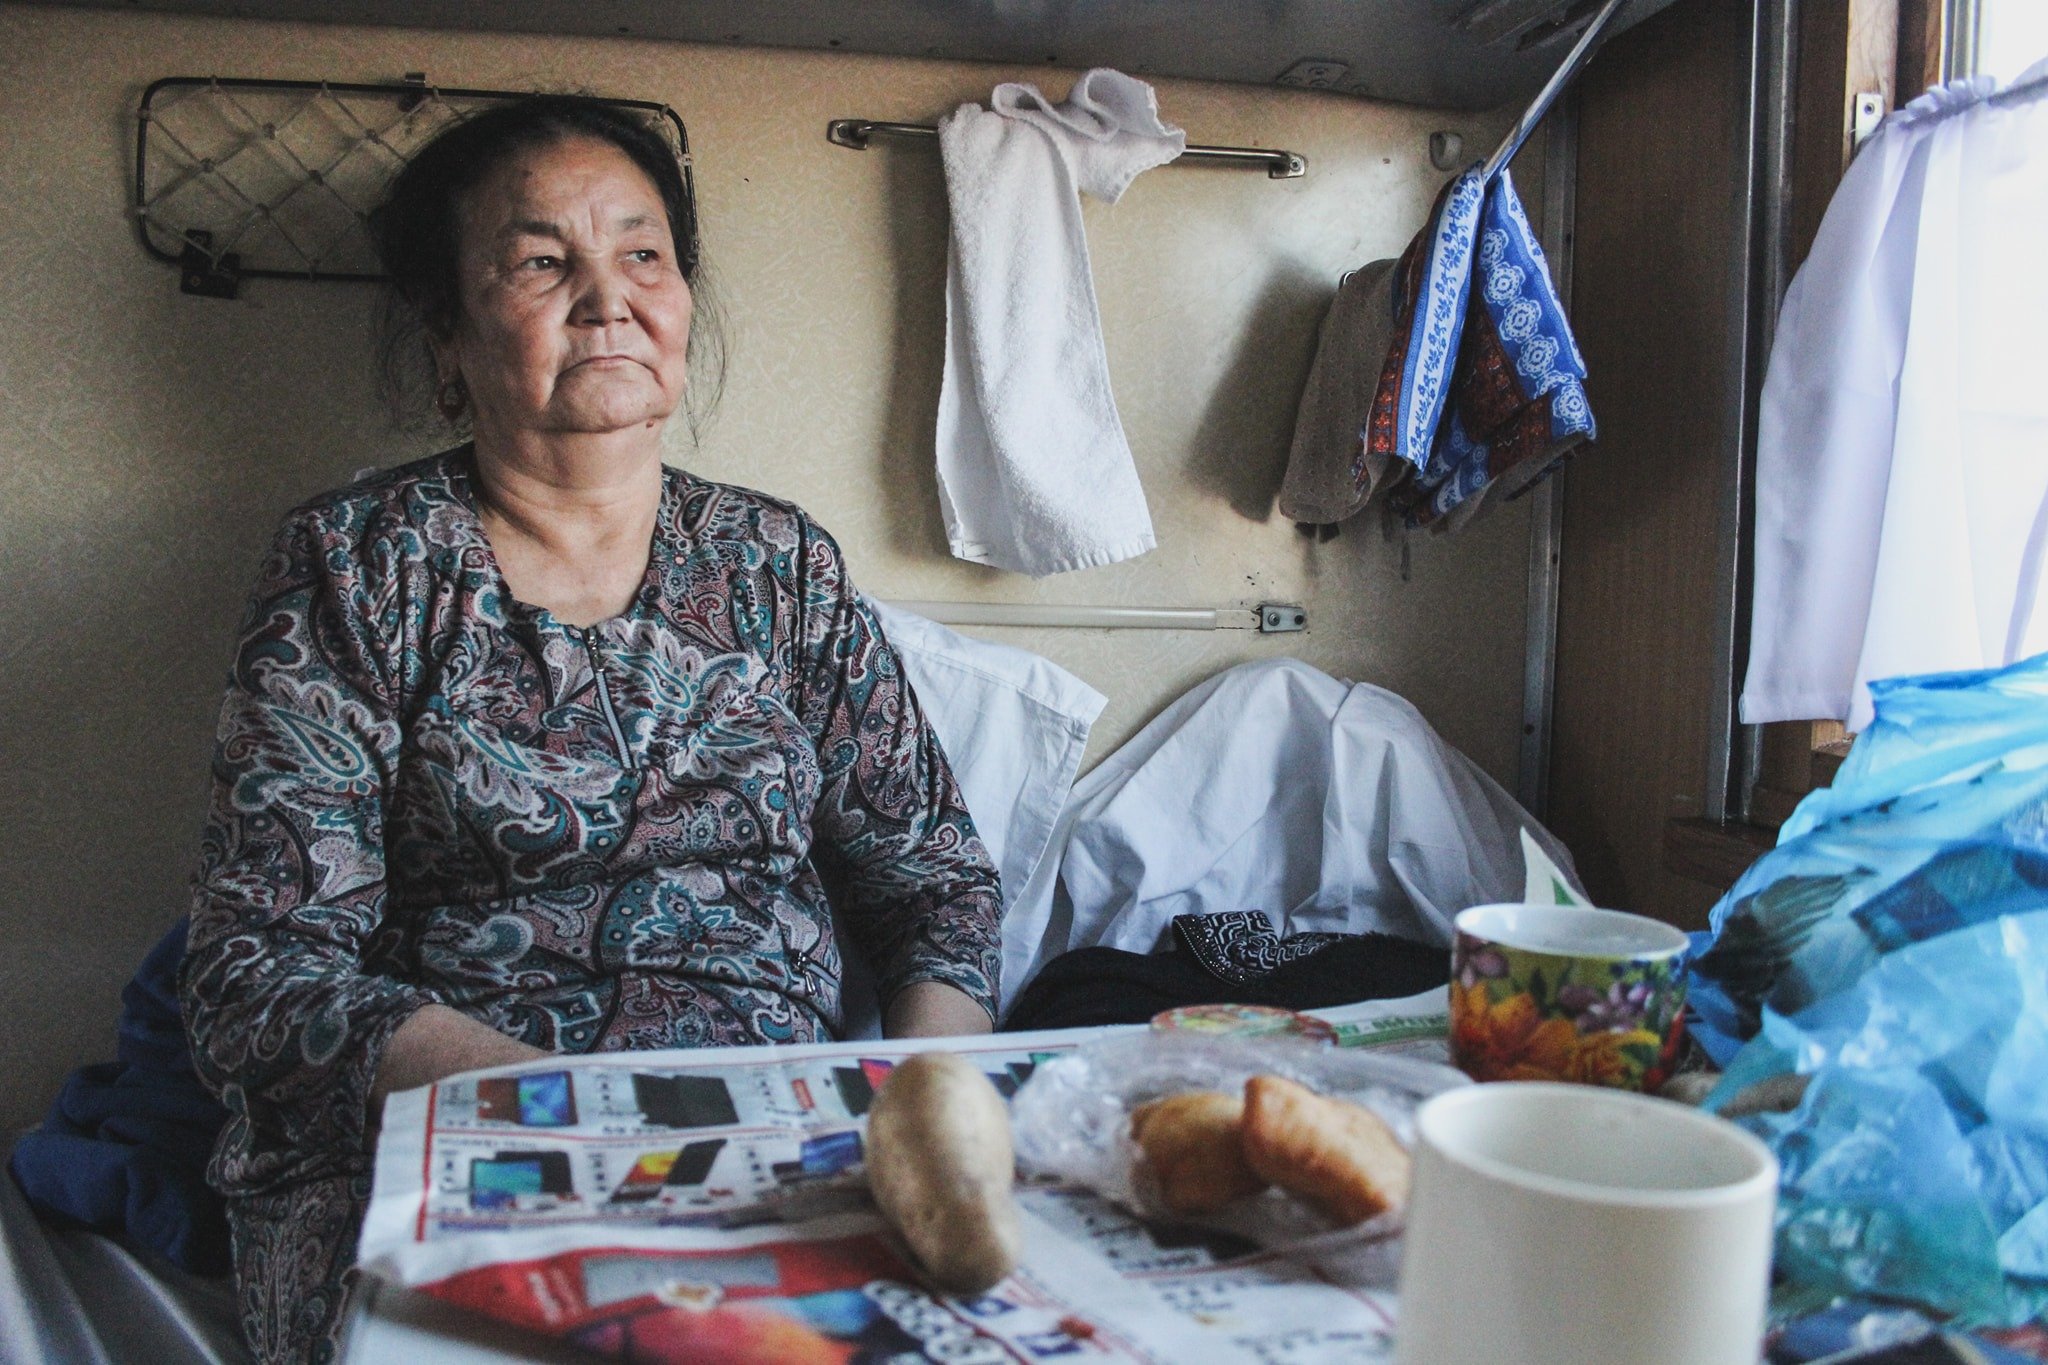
x,y
1014,726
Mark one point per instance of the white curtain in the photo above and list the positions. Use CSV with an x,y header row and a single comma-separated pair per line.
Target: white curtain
x,y
1902,459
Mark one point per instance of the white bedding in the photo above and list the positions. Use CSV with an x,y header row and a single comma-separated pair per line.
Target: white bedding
x,y
1331,806
70,1297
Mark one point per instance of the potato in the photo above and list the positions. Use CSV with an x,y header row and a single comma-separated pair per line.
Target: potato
x,y
940,1165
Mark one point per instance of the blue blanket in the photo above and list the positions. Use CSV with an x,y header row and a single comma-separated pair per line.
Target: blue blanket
x,y
125,1147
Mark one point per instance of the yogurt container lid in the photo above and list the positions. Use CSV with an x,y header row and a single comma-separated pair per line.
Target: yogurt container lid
x,y
1244,1021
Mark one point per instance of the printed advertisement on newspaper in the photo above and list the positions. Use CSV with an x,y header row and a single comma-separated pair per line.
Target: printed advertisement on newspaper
x,y
710,1206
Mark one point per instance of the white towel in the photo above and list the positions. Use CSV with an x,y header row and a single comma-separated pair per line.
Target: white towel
x,y
1034,472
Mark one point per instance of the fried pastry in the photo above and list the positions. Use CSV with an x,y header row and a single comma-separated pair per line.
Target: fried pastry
x,y
1338,1156
1191,1143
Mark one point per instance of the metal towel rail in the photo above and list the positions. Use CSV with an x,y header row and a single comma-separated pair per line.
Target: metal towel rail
x,y
1280,165
1268,618
1284,165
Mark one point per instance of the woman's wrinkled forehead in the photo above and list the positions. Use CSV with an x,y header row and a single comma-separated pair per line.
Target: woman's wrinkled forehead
x,y
552,189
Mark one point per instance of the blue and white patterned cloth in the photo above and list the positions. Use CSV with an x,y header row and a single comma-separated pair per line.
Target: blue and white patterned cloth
x,y
1535,337
1484,389
1438,324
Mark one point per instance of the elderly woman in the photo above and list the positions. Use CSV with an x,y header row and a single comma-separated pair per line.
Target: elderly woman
x,y
540,746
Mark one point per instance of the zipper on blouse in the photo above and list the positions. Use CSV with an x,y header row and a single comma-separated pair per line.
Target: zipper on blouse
x,y
604,697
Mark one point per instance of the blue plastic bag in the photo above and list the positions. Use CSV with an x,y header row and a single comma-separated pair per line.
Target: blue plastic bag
x,y
1894,949
1916,1166
1937,820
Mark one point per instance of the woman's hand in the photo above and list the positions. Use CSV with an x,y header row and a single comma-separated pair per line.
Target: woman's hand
x,y
932,1009
437,1041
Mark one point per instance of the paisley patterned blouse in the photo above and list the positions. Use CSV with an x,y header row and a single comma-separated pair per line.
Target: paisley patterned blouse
x,y
589,839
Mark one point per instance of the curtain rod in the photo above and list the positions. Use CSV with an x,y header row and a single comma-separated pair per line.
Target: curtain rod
x,y
855,132
1580,54
2021,92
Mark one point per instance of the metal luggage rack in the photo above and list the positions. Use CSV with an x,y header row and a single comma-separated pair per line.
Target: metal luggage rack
x,y
251,179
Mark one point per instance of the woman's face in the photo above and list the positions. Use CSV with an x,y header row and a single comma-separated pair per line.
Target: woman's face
x,y
575,316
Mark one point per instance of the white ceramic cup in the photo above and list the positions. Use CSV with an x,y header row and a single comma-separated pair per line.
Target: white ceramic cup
x,y
1560,1224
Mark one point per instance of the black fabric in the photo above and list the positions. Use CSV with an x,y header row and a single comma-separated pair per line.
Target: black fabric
x,y
1240,945
1092,986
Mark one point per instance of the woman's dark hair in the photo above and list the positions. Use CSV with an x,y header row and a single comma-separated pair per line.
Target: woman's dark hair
x,y
416,231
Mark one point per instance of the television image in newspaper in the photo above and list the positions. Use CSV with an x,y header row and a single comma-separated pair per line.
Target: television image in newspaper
x,y
542,1100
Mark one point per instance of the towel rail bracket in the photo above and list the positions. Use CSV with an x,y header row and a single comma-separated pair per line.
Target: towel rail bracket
x,y
1281,618
856,133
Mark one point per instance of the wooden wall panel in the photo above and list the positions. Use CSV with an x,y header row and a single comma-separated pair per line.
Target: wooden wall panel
x,y
1846,48
1820,119
1923,36
1658,271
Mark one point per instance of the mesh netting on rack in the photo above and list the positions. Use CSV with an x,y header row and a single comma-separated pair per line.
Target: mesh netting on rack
x,y
276,179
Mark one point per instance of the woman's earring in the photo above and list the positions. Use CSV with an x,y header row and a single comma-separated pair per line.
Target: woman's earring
x,y
451,398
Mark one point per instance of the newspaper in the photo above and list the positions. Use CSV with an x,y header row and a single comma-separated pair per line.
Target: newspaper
x,y
710,1205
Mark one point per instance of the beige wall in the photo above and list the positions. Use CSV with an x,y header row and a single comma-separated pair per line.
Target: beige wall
x,y
150,440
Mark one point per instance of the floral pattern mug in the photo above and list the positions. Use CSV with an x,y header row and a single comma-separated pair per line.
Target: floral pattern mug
x,y
1566,993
